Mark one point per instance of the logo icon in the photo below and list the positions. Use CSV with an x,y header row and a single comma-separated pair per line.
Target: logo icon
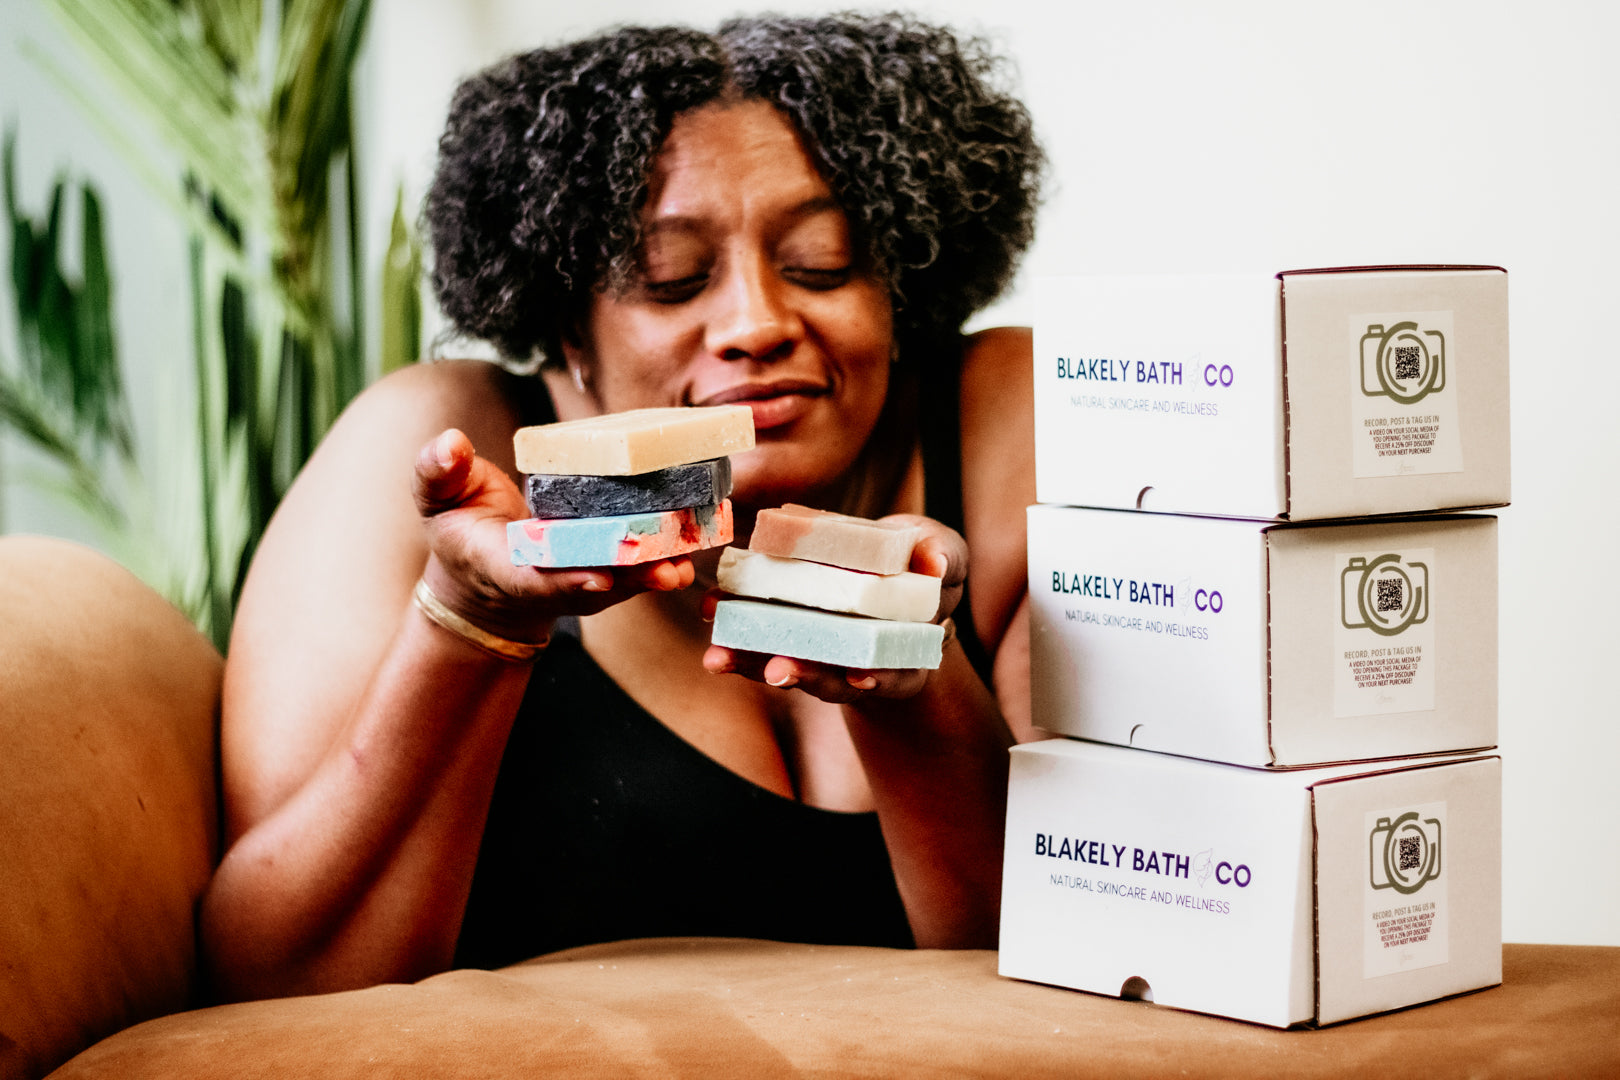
x,y
1385,596
1404,855
1403,362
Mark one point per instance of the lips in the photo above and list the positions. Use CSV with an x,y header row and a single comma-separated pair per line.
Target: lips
x,y
774,404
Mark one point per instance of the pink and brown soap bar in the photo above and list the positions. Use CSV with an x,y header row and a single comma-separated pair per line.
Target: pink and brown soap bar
x,y
831,588
627,487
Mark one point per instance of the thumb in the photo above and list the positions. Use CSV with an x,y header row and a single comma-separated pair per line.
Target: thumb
x,y
443,472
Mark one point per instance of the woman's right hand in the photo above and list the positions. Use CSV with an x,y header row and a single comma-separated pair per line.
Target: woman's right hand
x,y
466,502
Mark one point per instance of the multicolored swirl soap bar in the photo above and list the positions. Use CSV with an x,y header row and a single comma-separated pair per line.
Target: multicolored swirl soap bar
x,y
845,640
698,483
906,596
800,532
638,441
620,539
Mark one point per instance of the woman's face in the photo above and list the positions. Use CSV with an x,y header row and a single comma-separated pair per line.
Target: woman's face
x,y
748,290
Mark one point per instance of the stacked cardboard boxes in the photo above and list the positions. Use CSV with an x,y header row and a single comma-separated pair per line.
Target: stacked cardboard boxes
x,y
1269,634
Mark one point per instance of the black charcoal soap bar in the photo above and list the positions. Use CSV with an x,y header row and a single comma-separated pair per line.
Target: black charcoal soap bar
x,y
701,483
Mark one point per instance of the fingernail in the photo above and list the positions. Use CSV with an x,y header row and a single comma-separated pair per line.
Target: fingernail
x,y
441,451
865,682
594,585
784,682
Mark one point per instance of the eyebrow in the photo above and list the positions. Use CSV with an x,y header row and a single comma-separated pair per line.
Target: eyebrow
x,y
687,223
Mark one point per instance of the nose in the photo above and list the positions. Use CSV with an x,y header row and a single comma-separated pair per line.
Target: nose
x,y
753,317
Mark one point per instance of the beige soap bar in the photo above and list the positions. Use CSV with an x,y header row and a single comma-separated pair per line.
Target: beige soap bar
x,y
799,532
638,441
904,597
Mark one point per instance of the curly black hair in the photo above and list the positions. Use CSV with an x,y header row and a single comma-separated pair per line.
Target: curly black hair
x,y
544,164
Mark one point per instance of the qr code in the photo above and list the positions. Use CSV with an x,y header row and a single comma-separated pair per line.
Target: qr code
x,y
1408,854
1390,594
1408,362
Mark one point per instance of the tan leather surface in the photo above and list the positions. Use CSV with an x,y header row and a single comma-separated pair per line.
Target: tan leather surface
x,y
108,817
728,1008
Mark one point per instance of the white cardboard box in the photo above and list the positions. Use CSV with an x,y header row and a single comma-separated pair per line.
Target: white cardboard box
x,y
1264,643
1302,395
1284,898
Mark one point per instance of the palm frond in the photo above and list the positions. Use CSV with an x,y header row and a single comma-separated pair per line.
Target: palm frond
x,y
260,112
188,90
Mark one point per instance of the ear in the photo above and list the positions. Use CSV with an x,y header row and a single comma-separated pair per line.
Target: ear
x,y
578,359
574,343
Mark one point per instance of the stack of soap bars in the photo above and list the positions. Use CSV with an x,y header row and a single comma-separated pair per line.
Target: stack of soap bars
x,y
628,487
845,595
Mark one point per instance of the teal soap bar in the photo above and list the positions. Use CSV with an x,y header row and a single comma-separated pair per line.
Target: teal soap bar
x,y
850,641
620,539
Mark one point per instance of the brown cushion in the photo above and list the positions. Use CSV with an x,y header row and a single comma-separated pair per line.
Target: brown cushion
x,y
728,1008
108,819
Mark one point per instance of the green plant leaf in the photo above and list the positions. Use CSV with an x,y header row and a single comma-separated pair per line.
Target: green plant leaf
x,y
401,313
108,410
58,347
9,155
30,416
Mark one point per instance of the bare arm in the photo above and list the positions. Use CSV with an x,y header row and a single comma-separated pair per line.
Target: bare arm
x,y
360,741
998,485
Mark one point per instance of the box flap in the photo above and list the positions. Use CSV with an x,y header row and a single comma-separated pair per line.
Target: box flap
x,y
1159,392
1148,630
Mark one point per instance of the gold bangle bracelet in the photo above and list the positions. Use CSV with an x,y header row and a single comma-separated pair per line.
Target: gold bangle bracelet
x,y
517,652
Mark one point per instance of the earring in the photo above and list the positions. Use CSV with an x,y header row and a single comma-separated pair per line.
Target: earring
x,y
579,377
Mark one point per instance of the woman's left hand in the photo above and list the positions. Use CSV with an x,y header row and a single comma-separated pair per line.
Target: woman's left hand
x,y
940,552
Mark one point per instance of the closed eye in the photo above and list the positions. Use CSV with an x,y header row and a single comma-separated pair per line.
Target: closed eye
x,y
811,277
676,290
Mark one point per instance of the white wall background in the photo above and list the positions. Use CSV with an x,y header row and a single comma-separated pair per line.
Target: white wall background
x,y
1273,134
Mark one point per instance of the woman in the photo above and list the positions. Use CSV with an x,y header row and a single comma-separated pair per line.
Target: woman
x,y
797,215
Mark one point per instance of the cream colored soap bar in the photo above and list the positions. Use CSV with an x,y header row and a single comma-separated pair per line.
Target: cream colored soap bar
x,y
639,441
904,597
799,532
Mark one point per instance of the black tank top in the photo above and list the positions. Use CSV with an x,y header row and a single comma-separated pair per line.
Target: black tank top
x,y
605,825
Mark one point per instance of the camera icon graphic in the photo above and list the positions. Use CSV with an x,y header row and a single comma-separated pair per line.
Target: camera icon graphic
x,y
1385,595
1403,362
1404,854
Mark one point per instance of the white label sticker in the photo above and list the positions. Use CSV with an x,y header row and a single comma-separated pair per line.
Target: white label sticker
x,y
1403,394
1383,645
1407,918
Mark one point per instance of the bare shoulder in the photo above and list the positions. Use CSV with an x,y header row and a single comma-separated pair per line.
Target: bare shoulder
x,y
999,353
998,414
417,402
359,478
998,469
